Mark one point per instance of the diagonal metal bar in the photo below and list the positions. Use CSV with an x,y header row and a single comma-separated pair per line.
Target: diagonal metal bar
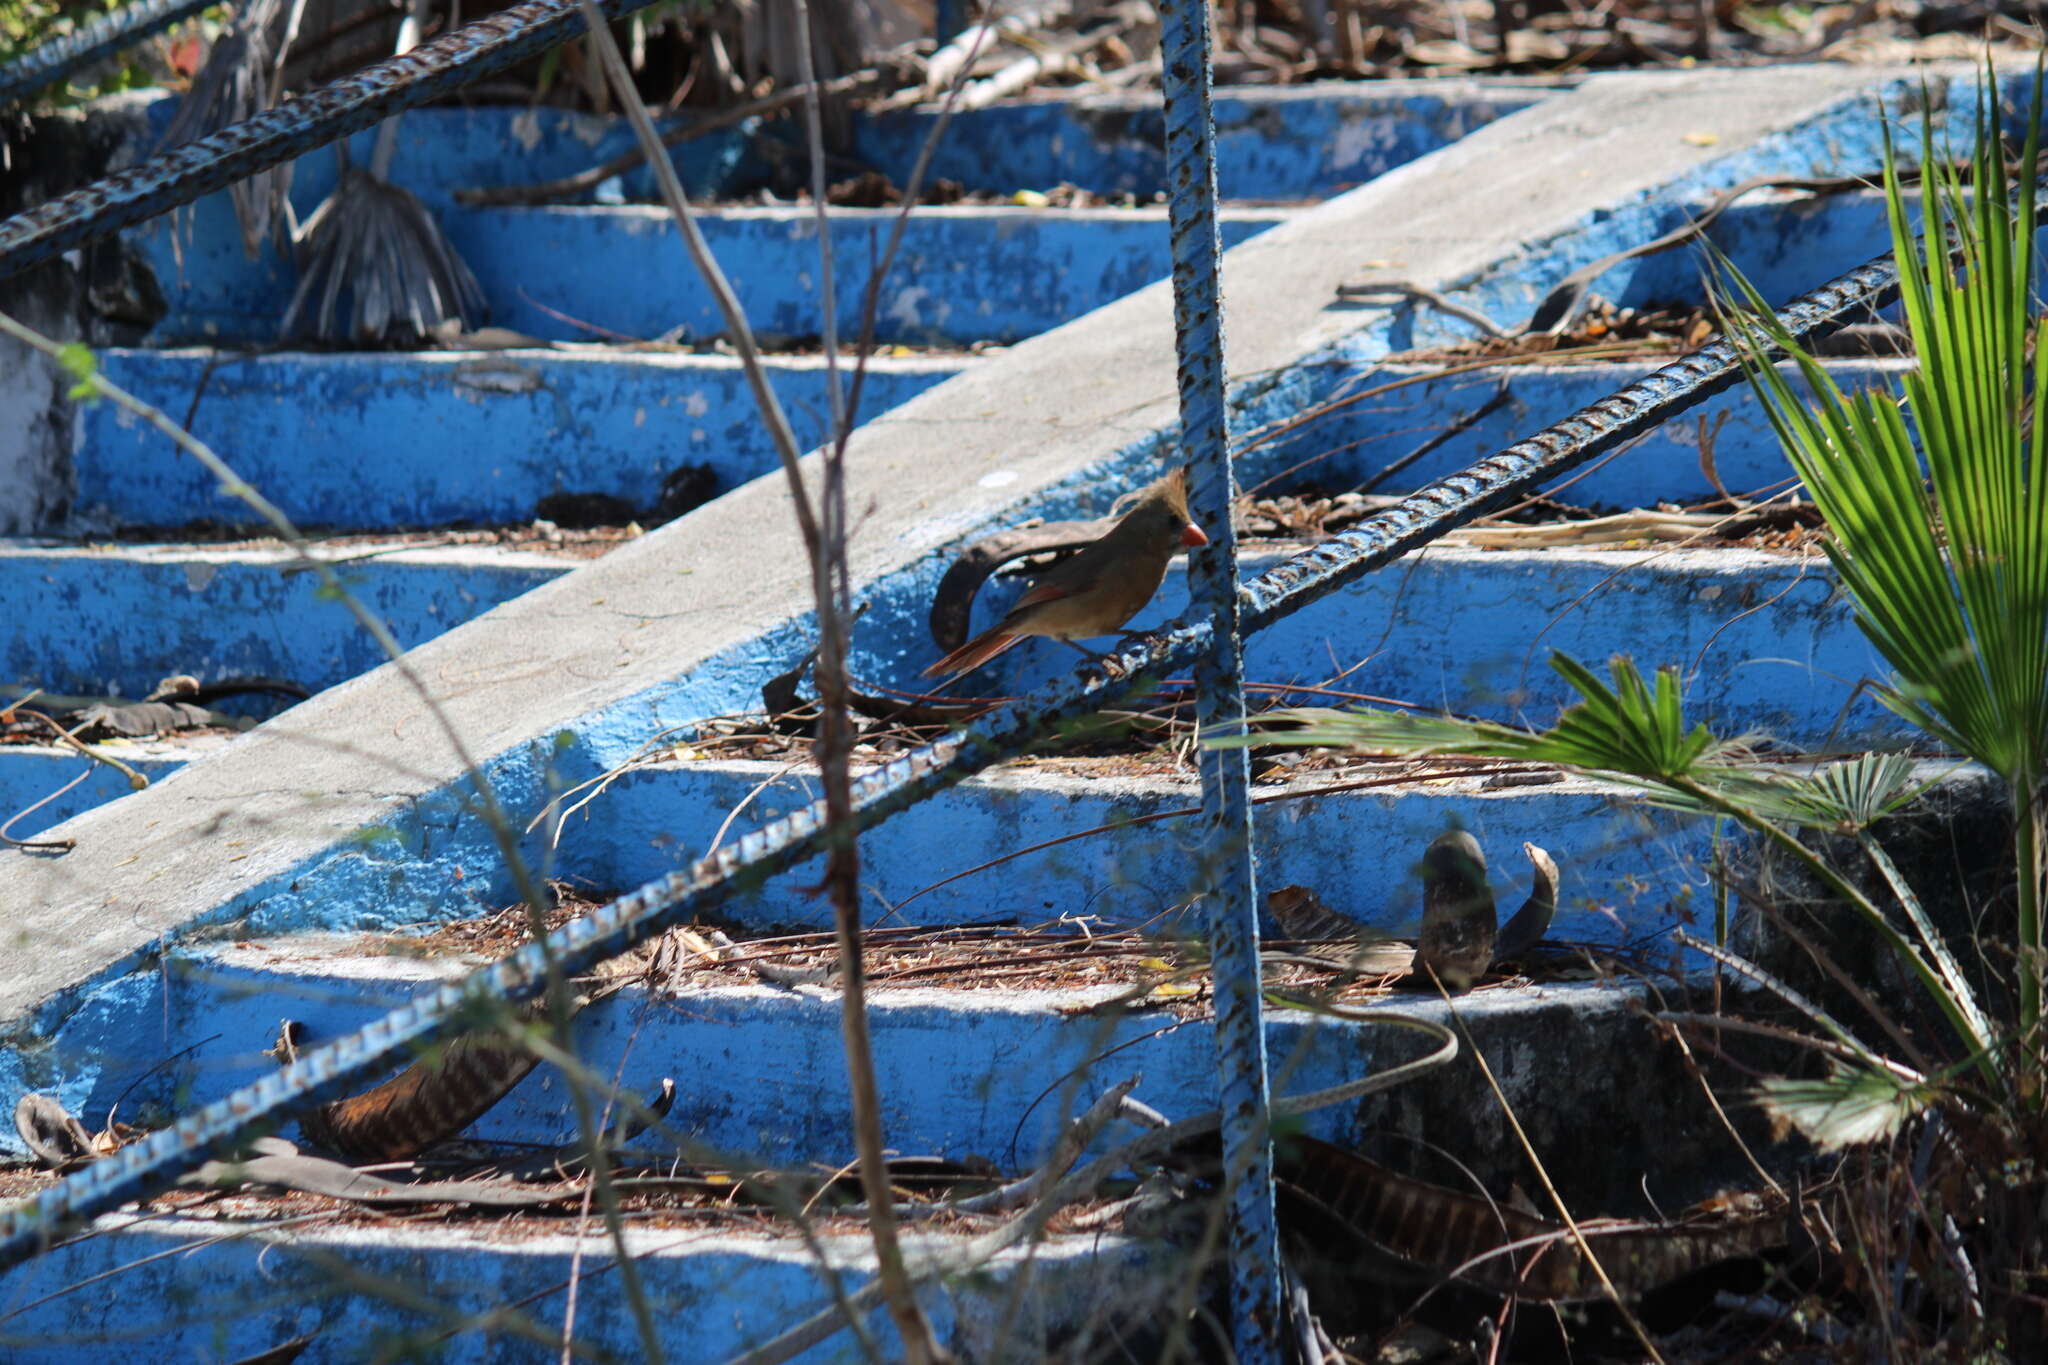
x,y
152,1164
1225,867
293,128
60,57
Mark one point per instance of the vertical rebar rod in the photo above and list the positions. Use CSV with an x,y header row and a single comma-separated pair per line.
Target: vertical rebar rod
x,y
1225,864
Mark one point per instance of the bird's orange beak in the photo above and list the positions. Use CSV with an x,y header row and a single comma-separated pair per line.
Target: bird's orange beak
x,y
1192,537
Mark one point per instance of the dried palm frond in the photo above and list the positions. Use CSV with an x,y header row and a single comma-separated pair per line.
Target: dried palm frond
x,y
377,244
243,76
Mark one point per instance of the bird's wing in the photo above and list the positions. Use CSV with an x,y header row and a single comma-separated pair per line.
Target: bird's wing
x,y
1043,591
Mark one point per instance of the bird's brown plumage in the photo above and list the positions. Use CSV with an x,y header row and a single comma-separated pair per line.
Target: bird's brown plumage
x,y
1098,589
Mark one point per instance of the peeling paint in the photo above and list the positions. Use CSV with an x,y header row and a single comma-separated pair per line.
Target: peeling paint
x,y
525,129
498,376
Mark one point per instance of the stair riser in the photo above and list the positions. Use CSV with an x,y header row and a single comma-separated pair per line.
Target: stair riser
x,y
760,1073
115,624
1766,643
1629,873
363,442
1763,640
961,276
195,1296
28,774
1278,145
1355,442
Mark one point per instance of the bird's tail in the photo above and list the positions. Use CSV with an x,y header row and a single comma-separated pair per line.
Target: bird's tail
x,y
973,654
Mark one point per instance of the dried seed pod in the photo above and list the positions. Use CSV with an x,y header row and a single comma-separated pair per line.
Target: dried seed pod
x,y
47,1129
1532,921
1458,921
434,1098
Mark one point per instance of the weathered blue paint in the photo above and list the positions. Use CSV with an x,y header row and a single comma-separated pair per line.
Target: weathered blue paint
x,y
1354,441
373,440
1226,876
534,423
772,849
1665,467
963,274
777,846
198,1294
28,773
448,148
1629,873
114,622
1764,642
759,1076
1302,142
1638,476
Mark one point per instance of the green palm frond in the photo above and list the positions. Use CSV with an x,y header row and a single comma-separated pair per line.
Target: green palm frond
x,y
1850,1106
1936,499
1635,734
1843,797
1631,728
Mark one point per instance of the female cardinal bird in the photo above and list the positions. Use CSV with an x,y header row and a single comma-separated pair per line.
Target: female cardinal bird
x,y
1098,589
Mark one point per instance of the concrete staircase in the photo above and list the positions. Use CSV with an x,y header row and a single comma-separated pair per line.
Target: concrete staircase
x,y
264,878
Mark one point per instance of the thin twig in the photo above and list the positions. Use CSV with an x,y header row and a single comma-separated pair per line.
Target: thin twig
x,y
823,531
41,845
1557,1200
136,780
814,133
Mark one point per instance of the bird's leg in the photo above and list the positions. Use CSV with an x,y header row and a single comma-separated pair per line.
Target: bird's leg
x,y
1100,660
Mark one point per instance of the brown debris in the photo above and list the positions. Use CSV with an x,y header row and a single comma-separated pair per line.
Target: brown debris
x,y
1449,1231
435,1098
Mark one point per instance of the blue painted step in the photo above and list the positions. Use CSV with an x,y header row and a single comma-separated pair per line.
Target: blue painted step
x,y
963,1073
1629,873
1763,640
29,773
1341,436
963,275
1297,142
1300,142
226,1287
374,440
448,437
115,620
